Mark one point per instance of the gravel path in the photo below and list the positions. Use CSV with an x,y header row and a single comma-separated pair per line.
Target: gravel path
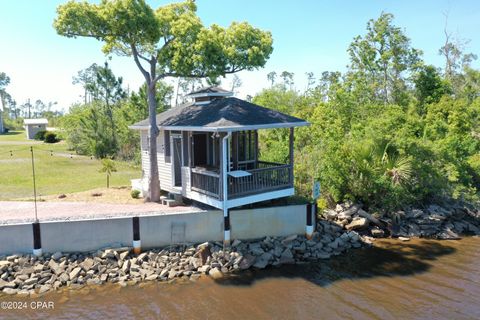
x,y
12,212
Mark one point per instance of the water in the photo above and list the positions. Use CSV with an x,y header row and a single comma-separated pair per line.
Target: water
x,y
420,279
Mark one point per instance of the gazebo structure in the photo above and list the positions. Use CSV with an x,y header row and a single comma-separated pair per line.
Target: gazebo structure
x,y
208,152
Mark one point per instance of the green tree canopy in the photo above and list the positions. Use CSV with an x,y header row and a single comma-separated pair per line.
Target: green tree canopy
x,y
381,60
170,41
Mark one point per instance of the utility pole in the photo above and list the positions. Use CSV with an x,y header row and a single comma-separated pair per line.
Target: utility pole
x,y
34,185
29,106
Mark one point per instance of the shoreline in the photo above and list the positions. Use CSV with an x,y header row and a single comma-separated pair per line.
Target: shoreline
x,y
27,275
347,227
434,222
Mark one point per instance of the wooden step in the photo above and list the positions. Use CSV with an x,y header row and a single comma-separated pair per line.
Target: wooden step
x,y
170,202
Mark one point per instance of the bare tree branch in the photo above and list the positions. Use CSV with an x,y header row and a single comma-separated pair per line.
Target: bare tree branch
x,y
142,57
139,65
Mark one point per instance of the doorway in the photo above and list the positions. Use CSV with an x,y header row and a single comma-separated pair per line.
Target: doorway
x,y
177,160
200,149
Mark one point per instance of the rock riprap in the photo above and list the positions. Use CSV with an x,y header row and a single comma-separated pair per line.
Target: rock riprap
x,y
433,221
29,275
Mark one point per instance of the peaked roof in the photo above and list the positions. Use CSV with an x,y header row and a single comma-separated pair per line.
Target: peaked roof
x,y
209,90
227,114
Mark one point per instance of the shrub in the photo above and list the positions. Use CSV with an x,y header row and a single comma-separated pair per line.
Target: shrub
x,y
135,194
40,135
51,137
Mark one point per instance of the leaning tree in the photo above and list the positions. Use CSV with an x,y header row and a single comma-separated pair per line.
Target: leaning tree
x,y
170,41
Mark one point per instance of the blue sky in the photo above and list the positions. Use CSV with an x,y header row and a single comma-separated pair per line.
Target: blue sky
x,y
308,36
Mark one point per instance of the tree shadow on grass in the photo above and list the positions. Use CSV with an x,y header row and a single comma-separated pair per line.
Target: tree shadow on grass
x,y
12,133
390,259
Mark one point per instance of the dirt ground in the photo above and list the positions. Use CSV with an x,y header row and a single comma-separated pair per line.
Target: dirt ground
x,y
116,195
92,204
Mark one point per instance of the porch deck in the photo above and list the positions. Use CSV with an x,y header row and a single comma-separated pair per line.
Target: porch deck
x,y
265,177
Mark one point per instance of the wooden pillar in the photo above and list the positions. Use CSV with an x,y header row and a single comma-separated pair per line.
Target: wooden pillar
x,y
220,166
255,149
185,149
235,150
190,149
291,154
225,168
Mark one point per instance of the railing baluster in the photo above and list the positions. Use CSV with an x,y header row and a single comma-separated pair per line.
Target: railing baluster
x,y
267,177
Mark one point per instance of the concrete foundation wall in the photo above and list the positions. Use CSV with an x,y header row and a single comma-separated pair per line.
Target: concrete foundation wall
x,y
86,235
16,238
158,231
155,231
274,221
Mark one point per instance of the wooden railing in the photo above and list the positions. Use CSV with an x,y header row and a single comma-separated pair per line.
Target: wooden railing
x,y
261,180
269,177
266,164
206,182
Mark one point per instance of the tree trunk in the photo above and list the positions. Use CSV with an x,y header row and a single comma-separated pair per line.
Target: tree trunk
x,y
154,182
112,125
108,181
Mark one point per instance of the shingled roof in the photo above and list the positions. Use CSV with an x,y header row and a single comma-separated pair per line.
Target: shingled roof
x,y
227,114
210,90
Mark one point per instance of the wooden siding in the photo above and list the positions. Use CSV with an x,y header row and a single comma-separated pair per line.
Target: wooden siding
x,y
164,169
185,181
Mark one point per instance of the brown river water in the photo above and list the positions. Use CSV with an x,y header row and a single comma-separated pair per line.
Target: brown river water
x,y
420,279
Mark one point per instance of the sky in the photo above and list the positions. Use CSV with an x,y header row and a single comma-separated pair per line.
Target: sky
x,y
308,36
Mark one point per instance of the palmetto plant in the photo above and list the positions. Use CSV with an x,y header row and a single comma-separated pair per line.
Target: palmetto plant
x,y
376,159
398,168
108,166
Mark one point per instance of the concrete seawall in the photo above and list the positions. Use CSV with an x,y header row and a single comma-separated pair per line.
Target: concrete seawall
x,y
155,230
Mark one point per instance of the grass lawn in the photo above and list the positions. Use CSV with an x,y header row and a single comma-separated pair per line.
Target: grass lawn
x,y
57,170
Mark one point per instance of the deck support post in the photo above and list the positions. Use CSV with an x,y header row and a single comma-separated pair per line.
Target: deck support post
x,y
235,150
37,239
255,138
225,165
137,243
290,148
310,212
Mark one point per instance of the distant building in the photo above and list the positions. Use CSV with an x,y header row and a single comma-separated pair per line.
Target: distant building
x,y
32,126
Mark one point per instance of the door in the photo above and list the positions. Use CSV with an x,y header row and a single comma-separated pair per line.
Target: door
x,y
177,160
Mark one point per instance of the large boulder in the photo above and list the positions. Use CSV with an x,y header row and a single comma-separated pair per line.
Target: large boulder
x,y
369,217
262,261
287,257
215,273
255,249
247,261
377,232
204,253
357,224
74,273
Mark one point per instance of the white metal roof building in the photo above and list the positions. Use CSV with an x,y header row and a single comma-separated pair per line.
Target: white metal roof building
x,y
32,126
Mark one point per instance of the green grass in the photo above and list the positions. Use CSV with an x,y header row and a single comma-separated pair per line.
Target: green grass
x,y
13,136
55,174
